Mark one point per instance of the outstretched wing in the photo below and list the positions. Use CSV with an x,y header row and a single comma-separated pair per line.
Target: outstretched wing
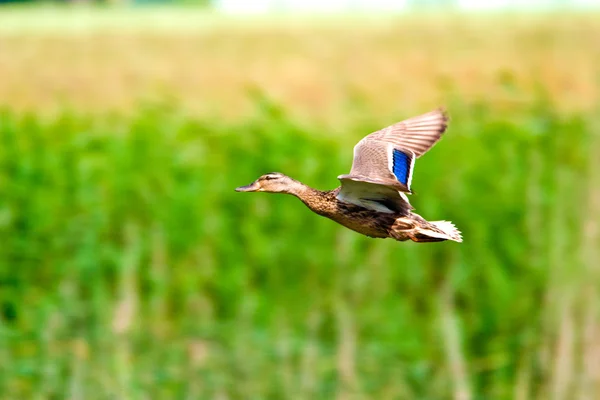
x,y
417,134
384,160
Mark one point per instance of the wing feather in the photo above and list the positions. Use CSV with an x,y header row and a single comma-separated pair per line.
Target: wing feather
x,y
417,134
372,182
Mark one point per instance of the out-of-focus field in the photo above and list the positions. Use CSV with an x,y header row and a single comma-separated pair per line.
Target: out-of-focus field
x,y
107,59
130,269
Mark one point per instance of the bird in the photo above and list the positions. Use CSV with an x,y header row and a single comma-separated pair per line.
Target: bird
x,y
372,198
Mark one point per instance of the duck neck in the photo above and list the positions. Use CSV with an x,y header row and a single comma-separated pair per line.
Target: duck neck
x,y
314,199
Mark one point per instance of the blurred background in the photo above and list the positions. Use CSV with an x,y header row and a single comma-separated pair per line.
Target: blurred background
x,y
129,268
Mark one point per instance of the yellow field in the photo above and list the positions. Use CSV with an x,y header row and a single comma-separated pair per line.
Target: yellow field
x,y
107,61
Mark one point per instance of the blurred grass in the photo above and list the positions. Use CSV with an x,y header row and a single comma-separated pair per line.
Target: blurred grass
x,y
129,268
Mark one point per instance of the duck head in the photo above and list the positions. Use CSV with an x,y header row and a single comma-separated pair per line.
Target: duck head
x,y
274,182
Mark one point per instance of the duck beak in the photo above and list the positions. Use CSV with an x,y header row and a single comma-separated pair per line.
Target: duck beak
x,y
253,187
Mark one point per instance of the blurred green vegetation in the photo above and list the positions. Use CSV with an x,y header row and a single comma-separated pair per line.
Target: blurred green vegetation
x,y
129,268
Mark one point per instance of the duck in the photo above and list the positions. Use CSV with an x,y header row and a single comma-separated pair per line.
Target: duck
x,y
372,199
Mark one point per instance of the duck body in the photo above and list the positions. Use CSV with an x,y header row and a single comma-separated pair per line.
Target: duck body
x,y
360,219
400,226
372,198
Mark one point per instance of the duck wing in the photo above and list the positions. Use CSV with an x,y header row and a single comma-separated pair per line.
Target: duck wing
x,y
384,160
417,134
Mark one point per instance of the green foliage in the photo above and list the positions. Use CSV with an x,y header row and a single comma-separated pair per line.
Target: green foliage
x,y
130,268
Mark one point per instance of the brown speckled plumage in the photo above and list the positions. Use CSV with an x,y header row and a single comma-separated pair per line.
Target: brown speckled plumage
x,y
371,199
362,220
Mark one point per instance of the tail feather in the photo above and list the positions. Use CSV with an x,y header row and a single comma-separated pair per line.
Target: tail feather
x,y
438,231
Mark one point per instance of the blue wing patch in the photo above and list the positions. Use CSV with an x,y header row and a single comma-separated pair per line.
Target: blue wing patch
x,y
401,166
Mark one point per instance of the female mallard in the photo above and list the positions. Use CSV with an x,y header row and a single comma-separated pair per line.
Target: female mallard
x,y
372,198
